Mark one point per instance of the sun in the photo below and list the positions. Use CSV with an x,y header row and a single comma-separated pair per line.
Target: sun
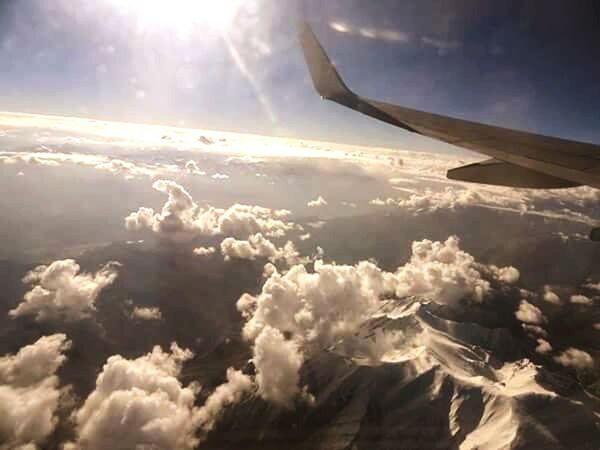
x,y
182,15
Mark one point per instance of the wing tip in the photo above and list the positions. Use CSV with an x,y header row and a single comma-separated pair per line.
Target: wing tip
x,y
325,77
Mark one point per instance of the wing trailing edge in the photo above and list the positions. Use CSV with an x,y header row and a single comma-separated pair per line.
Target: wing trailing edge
x,y
500,173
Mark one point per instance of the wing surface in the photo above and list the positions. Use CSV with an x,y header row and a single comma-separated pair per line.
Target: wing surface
x,y
549,162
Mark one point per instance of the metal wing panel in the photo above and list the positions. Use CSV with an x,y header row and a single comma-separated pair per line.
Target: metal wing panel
x,y
577,162
479,137
499,173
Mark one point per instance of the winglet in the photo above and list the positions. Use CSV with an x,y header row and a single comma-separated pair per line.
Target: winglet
x,y
326,79
330,85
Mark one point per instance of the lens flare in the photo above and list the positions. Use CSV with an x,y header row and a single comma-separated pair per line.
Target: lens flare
x,y
181,14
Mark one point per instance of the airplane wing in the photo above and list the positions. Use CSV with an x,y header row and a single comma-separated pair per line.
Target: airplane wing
x,y
518,158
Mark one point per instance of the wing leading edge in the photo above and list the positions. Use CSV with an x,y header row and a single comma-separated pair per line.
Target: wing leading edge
x,y
519,158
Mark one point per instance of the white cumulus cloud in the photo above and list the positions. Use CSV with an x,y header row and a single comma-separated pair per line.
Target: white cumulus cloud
x,y
228,393
180,214
300,312
580,299
29,392
573,357
451,198
543,346
192,168
507,274
529,313
146,313
259,246
204,251
115,166
277,362
550,296
319,201
60,291
444,271
139,403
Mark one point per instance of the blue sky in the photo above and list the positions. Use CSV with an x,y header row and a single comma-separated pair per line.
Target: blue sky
x,y
532,65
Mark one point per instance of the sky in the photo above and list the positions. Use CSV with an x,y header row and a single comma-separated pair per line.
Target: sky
x,y
236,65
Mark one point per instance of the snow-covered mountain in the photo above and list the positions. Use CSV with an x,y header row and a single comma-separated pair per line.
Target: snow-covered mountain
x,y
412,379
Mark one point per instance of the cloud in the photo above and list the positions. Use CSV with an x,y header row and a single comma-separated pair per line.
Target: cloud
x,y
204,251
255,246
575,358
451,198
317,225
277,363
550,296
258,246
535,330
573,205
313,309
139,403
146,313
228,393
508,274
142,219
115,166
529,313
29,392
126,168
28,158
34,363
192,168
320,201
593,286
543,346
300,312
60,291
381,202
220,176
304,237
580,299
443,271
181,215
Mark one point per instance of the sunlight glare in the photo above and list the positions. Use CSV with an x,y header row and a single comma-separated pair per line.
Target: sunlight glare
x,y
182,15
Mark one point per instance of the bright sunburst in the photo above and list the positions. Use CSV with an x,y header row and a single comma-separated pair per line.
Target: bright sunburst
x,y
182,14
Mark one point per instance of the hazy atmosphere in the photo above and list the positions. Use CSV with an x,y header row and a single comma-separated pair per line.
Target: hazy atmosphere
x,y
198,252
